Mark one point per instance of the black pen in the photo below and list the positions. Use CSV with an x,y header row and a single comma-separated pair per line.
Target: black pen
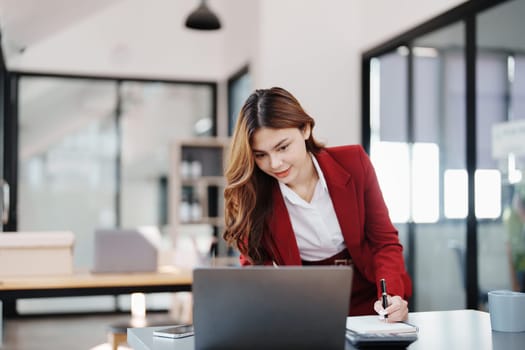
x,y
384,296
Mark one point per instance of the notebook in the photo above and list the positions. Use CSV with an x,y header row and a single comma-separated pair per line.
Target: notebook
x,y
271,308
373,324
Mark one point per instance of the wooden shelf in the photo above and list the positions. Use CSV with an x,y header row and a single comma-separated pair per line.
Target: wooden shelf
x,y
207,189
203,180
218,221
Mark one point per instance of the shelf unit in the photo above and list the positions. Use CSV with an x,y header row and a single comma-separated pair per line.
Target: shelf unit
x,y
197,176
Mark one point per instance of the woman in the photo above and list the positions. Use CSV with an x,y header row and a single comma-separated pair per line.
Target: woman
x,y
291,201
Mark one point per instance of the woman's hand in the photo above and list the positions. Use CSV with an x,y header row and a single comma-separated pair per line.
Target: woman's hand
x,y
397,309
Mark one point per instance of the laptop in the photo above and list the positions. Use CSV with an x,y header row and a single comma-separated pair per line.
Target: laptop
x,y
293,307
116,250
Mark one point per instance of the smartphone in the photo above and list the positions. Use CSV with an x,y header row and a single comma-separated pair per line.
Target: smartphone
x,y
175,332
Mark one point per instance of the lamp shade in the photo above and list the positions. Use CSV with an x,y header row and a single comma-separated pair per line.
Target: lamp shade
x,y
202,18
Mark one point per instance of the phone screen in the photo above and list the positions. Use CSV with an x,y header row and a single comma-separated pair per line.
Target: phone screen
x,y
175,332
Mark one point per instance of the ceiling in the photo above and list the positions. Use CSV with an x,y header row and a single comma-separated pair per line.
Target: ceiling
x,y
124,37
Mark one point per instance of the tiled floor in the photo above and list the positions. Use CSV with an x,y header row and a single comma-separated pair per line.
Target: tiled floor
x,y
66,332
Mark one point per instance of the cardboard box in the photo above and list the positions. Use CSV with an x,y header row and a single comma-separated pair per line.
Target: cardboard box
x,y
36,253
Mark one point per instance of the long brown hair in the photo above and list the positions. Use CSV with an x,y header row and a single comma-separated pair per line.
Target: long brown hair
x,y
248,192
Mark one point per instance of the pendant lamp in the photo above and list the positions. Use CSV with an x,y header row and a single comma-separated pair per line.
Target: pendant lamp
x,y
202,18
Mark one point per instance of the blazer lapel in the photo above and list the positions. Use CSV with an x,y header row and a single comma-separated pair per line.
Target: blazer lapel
x,y
344,198
281,240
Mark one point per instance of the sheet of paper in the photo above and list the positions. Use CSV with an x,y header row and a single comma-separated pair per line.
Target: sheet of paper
x,y
374,324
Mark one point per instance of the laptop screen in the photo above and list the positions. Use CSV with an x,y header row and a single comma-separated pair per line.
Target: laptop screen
x,y
291,307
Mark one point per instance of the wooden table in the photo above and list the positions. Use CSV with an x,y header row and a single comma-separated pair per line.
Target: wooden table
x,y
169,279
87,284
82,283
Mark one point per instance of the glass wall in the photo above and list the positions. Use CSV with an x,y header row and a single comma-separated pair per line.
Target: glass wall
x,y
389,139
439,123
67,154
500,173
239,88
444,115
154,116
94,153
419,154
4,189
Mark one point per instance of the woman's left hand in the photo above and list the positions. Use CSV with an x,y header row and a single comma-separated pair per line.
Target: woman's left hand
x,y
397,309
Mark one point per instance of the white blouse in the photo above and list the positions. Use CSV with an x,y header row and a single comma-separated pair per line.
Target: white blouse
x,y
315,224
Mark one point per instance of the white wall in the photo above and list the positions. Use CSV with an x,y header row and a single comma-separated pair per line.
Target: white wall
x,y
310,48
240,18
313,48
241,21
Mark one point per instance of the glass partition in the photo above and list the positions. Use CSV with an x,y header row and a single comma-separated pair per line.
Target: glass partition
x,y
239,88
456,178
154,116
500,191
94,153
419,154
389,139
4,189
67,152
439,176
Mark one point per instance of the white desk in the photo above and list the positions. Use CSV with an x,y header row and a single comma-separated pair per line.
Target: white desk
x,y
459,329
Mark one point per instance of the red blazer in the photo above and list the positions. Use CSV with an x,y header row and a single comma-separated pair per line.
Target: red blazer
x,y
369,235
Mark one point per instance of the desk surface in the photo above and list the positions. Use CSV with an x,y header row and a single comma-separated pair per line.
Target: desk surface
x,y
84,283
168,279
459,329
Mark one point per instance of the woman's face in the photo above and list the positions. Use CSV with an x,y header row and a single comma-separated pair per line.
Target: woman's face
x,y
281,153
